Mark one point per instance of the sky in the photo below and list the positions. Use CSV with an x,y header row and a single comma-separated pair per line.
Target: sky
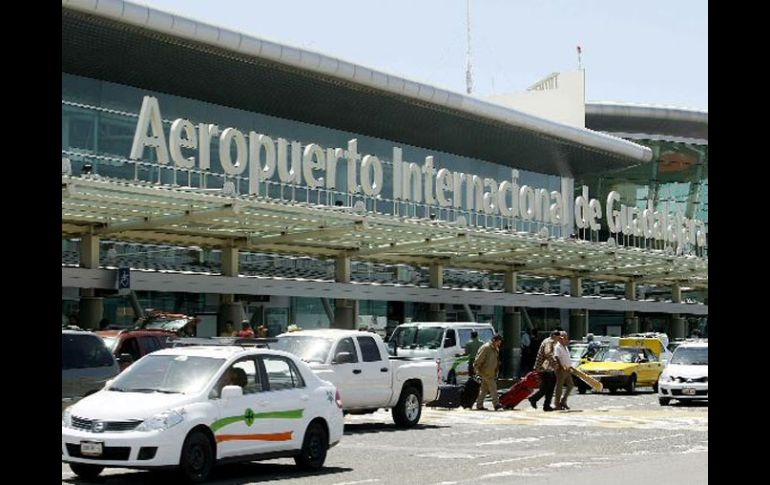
x,y
647,52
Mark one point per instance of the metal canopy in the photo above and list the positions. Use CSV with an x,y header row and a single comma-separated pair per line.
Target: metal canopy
x,y
162,214
171,54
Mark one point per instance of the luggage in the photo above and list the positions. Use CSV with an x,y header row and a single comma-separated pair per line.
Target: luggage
x,y
448,396
595,384
470,392
521,390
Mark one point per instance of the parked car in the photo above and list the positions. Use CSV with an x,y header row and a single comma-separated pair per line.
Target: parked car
x,y
366,376
442,341
686,377
86,365
128,346
193,407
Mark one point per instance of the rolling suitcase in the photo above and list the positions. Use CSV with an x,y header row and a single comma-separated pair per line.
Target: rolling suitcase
x,y
448,396
521,390
470,391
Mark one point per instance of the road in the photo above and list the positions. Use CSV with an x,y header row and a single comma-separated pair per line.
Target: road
x,y
604,439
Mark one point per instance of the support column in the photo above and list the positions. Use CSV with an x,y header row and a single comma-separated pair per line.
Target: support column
x,y
229,309
344,310
90,306
437,312
510,353
578,318
632,321
678,326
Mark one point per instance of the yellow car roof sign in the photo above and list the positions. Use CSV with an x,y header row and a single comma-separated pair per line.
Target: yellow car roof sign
x,y
655,345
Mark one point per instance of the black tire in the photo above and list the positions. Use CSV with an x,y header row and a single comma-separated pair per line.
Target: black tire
x,y
582,388
89,472
631,386
407,412
197,458
664,401
655,386
613,390
451,378
314,448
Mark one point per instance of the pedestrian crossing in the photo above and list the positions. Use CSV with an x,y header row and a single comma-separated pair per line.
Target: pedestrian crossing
x,y
628,416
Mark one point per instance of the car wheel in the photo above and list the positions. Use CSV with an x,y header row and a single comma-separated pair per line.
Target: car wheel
x,y
88,472
582,388
197,459
631,386
451,378
664,401
407,412
314,448
655,386
612,390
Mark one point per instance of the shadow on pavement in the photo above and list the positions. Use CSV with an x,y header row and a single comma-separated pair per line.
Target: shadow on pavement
x,y
359,428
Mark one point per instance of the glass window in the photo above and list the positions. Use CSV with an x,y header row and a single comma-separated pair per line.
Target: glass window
x,y
347,345
281,373
651,355
81,351
130,346
309,349
450,340
253,380
369,350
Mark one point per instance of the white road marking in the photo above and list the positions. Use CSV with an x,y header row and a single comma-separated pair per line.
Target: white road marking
x,y
656,438
359,481
519,458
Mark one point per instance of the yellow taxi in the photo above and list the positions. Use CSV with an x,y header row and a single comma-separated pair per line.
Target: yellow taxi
x,y
627,366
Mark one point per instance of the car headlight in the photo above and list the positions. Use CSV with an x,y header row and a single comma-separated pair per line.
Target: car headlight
x,y
66,418
161,421
666,378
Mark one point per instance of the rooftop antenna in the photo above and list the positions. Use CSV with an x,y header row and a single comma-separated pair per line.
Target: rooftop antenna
x,y
468,75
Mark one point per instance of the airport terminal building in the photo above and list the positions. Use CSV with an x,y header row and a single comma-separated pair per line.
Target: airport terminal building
x,y
205,170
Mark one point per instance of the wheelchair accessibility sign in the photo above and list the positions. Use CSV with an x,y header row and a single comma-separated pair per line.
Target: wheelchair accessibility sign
x,y
124,278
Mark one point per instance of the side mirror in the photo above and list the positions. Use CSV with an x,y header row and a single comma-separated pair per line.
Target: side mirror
x,y
125,359
343,358
230,392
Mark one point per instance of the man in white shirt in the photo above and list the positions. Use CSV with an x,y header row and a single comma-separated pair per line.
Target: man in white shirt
x,y
563,374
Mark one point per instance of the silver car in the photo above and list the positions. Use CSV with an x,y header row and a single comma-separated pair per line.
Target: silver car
x,y
86,365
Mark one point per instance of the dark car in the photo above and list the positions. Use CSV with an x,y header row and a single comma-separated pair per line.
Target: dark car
x,y
128,346
86,365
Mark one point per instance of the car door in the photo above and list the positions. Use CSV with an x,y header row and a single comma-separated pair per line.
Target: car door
x,y
241,428
350,377
654,365
376,371
285,406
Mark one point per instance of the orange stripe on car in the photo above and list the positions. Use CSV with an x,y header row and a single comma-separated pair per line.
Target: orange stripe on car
x,y
286,436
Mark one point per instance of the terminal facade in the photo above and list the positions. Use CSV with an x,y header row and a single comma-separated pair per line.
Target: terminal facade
x,y
221,173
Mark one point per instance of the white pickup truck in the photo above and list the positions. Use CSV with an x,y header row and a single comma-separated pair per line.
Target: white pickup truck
x,y
358,364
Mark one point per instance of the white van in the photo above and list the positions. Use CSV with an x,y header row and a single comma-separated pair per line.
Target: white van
x,y
443,341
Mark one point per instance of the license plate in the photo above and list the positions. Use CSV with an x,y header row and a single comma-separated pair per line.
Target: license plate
x,y
688,392
90,448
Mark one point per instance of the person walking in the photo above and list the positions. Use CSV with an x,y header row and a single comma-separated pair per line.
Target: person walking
x,y
246,331
546,364
485,365
563,374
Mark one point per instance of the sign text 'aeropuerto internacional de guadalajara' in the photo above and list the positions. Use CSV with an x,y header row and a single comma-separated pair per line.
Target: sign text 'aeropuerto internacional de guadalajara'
x,y
316,168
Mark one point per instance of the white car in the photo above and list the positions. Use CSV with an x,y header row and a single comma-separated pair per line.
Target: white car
x,y
194,407
686,377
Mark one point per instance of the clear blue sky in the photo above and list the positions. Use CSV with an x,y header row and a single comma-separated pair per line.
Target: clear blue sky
x,y
650,52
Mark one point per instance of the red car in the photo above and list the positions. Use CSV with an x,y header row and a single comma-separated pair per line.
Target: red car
x,y
128,346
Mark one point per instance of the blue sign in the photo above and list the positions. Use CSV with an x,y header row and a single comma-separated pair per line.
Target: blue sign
x,y
124,278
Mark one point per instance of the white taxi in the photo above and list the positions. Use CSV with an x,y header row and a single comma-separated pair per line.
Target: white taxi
x,y
193,407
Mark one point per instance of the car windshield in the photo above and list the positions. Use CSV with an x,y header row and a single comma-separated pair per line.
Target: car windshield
x,y
169,324
414,337
577,351
167,373
110,342
691,356
617,354
307,348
